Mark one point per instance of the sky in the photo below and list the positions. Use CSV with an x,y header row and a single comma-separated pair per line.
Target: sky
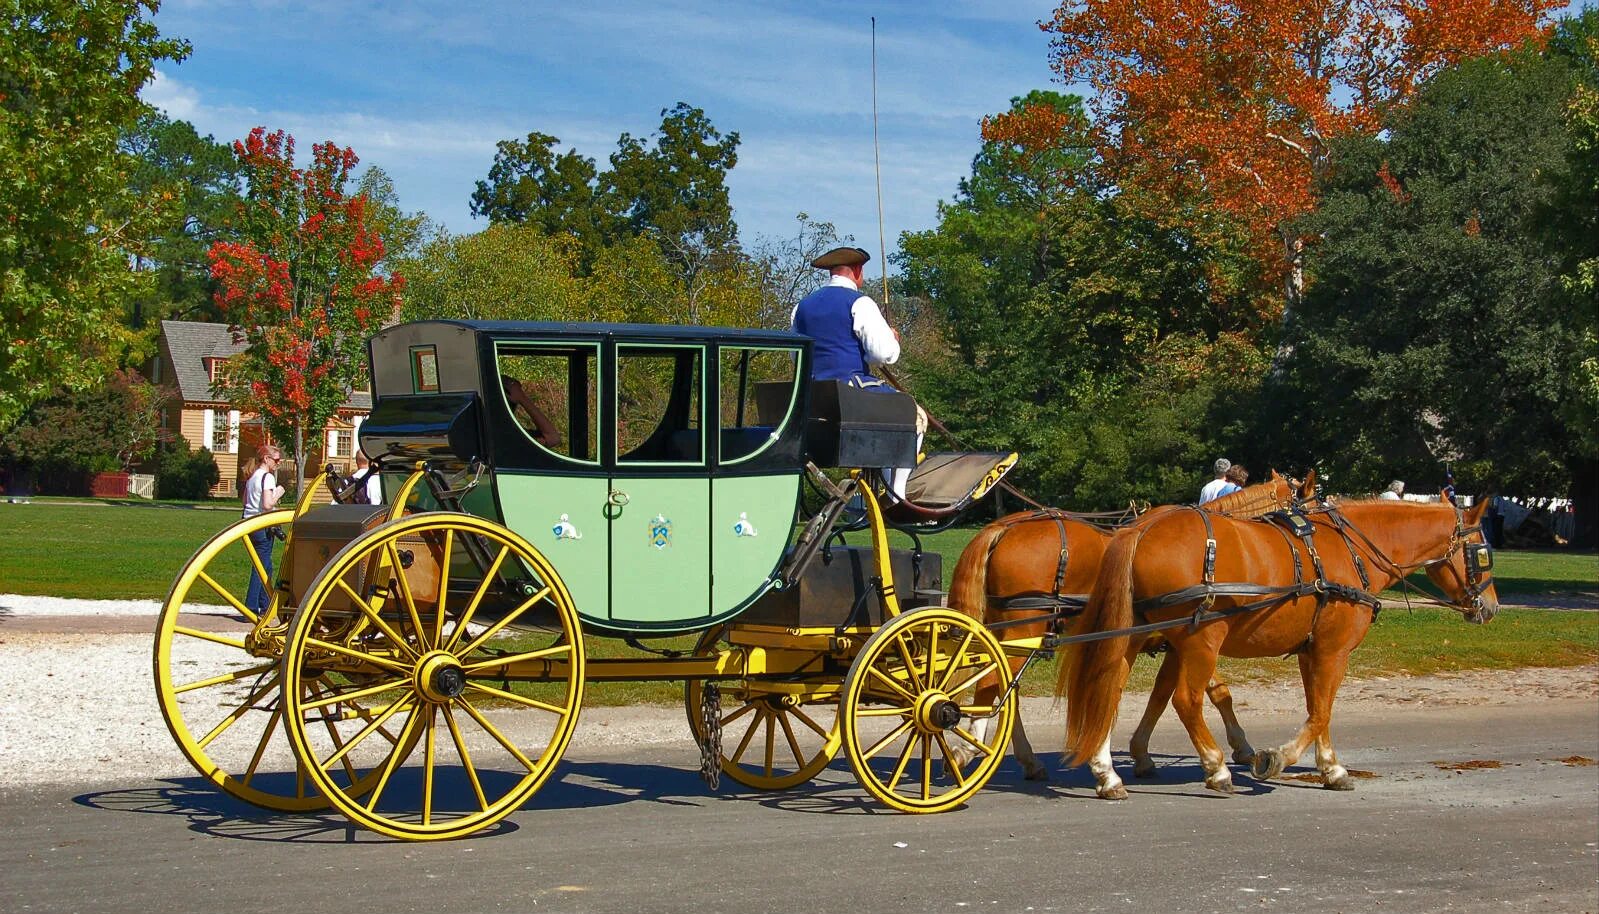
x,y
425,90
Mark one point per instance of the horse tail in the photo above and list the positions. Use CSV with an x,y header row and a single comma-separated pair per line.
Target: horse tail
x,y
968,590
1094,673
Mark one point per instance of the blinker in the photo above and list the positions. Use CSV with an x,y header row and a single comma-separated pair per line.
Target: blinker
x,y
1479,557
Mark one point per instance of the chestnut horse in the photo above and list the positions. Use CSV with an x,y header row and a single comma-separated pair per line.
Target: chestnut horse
x,y
1030,569
1155,572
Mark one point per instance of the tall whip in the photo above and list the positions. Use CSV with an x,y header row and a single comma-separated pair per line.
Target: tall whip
x,y
877,160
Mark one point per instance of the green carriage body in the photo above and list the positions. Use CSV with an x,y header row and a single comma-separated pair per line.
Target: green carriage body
x,y
670,499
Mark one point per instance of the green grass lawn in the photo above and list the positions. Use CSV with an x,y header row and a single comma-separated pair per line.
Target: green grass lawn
x,y
126,551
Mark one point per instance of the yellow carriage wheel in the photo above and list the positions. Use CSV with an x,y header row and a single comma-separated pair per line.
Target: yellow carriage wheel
x,y
908,703
772,739
409,617
218,695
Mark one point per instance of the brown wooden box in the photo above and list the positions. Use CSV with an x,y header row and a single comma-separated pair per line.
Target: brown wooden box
x,y
830,590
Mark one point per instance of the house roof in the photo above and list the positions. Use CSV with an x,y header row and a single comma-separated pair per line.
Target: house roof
x,y
192,342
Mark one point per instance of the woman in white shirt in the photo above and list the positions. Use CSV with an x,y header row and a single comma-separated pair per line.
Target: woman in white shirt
x,y
261,494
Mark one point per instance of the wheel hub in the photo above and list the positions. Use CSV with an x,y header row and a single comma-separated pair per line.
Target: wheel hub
x,y
936,712
439,677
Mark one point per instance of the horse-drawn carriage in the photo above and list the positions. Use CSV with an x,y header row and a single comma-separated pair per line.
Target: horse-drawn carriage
x,y
423,662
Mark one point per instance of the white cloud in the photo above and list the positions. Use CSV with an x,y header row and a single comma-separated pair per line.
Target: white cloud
x,y
178,100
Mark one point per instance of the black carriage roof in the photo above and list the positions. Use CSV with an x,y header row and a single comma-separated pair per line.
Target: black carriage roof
x,y
511,330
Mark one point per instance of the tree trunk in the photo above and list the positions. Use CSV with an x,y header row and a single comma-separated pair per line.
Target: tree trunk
x,y
1584,503
1293,292
299,460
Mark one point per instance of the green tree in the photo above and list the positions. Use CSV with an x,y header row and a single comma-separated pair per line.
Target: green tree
x,y
1437,328
505,272
530,183
1058,302
70,220
106,428
404,234
171,158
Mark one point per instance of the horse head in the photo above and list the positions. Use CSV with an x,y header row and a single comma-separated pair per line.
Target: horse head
x,y
1465,573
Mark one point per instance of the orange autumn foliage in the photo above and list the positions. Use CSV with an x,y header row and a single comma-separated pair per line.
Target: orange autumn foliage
x,y
1234,104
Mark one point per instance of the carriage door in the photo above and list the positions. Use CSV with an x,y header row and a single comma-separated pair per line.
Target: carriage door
x,y
660,511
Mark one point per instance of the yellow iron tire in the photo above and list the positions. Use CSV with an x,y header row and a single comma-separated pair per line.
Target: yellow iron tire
x,y
907,702
426,670
771,740
219,700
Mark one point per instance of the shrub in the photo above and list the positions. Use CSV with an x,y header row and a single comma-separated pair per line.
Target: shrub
x,y
185,473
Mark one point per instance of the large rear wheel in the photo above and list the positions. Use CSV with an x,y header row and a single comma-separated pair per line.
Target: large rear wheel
x,y
409,618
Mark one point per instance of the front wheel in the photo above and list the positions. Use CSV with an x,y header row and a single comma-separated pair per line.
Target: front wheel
x,y
407,617
908,703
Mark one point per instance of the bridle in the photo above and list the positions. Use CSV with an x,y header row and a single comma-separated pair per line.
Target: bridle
x,y
1478,562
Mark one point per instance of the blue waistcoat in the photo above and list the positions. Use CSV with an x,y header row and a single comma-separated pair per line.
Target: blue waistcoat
x,y
824,315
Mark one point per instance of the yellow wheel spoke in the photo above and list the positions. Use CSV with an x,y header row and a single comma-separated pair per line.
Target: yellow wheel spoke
x,y
793,744
883,712
807,721
910,664
951,762
234,676
904,761
749,734
372,726
932,651
427,764
444,586
227,594
747,708
333,734
377,620
466,759
392,762
240,711
374,659
888,740
498,736
519,699
477,597
771,742
260,747
979,746
514,658
889,681
330,697
208,636
967,683
494,629
955,661
927,767
405,594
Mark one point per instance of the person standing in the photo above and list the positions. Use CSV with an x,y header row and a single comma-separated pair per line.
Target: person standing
x,y
261,495
851,336
1394,492
1216,487
372,492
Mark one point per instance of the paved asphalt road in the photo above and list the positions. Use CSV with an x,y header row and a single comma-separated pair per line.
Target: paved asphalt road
x,y
637,832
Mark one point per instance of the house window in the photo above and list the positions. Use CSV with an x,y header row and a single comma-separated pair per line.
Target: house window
x,y
341,442
219,433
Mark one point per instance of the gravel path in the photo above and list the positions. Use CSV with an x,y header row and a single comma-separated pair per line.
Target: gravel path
x,y
78,703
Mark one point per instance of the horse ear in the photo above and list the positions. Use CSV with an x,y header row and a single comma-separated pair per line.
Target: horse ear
x,y
1474,513
1308,487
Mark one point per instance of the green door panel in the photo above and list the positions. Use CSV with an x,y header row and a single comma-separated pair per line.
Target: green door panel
x,y
661,552
751,519
534,508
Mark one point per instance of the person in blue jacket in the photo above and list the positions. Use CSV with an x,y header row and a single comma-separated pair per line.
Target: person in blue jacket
x,y
851,335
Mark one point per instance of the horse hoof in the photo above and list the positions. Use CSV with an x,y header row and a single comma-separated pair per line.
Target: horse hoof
x,y
1225,788
1144,770
1114,792
1244,756
1344,783
1267,764
1036,773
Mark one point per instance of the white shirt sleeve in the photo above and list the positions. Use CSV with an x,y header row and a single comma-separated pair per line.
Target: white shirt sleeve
x,y
877,338
374,489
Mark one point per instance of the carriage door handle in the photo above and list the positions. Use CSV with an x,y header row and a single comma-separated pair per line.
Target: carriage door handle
x,y
615,501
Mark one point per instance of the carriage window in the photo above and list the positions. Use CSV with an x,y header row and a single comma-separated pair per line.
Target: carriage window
x,y
755,394
658,404
552,392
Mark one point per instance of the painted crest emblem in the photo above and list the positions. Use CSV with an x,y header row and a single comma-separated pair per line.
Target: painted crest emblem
x,y
564,529
744,527
660,531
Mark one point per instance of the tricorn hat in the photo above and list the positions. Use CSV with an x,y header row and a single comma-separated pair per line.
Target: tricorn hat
x,y
841,257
